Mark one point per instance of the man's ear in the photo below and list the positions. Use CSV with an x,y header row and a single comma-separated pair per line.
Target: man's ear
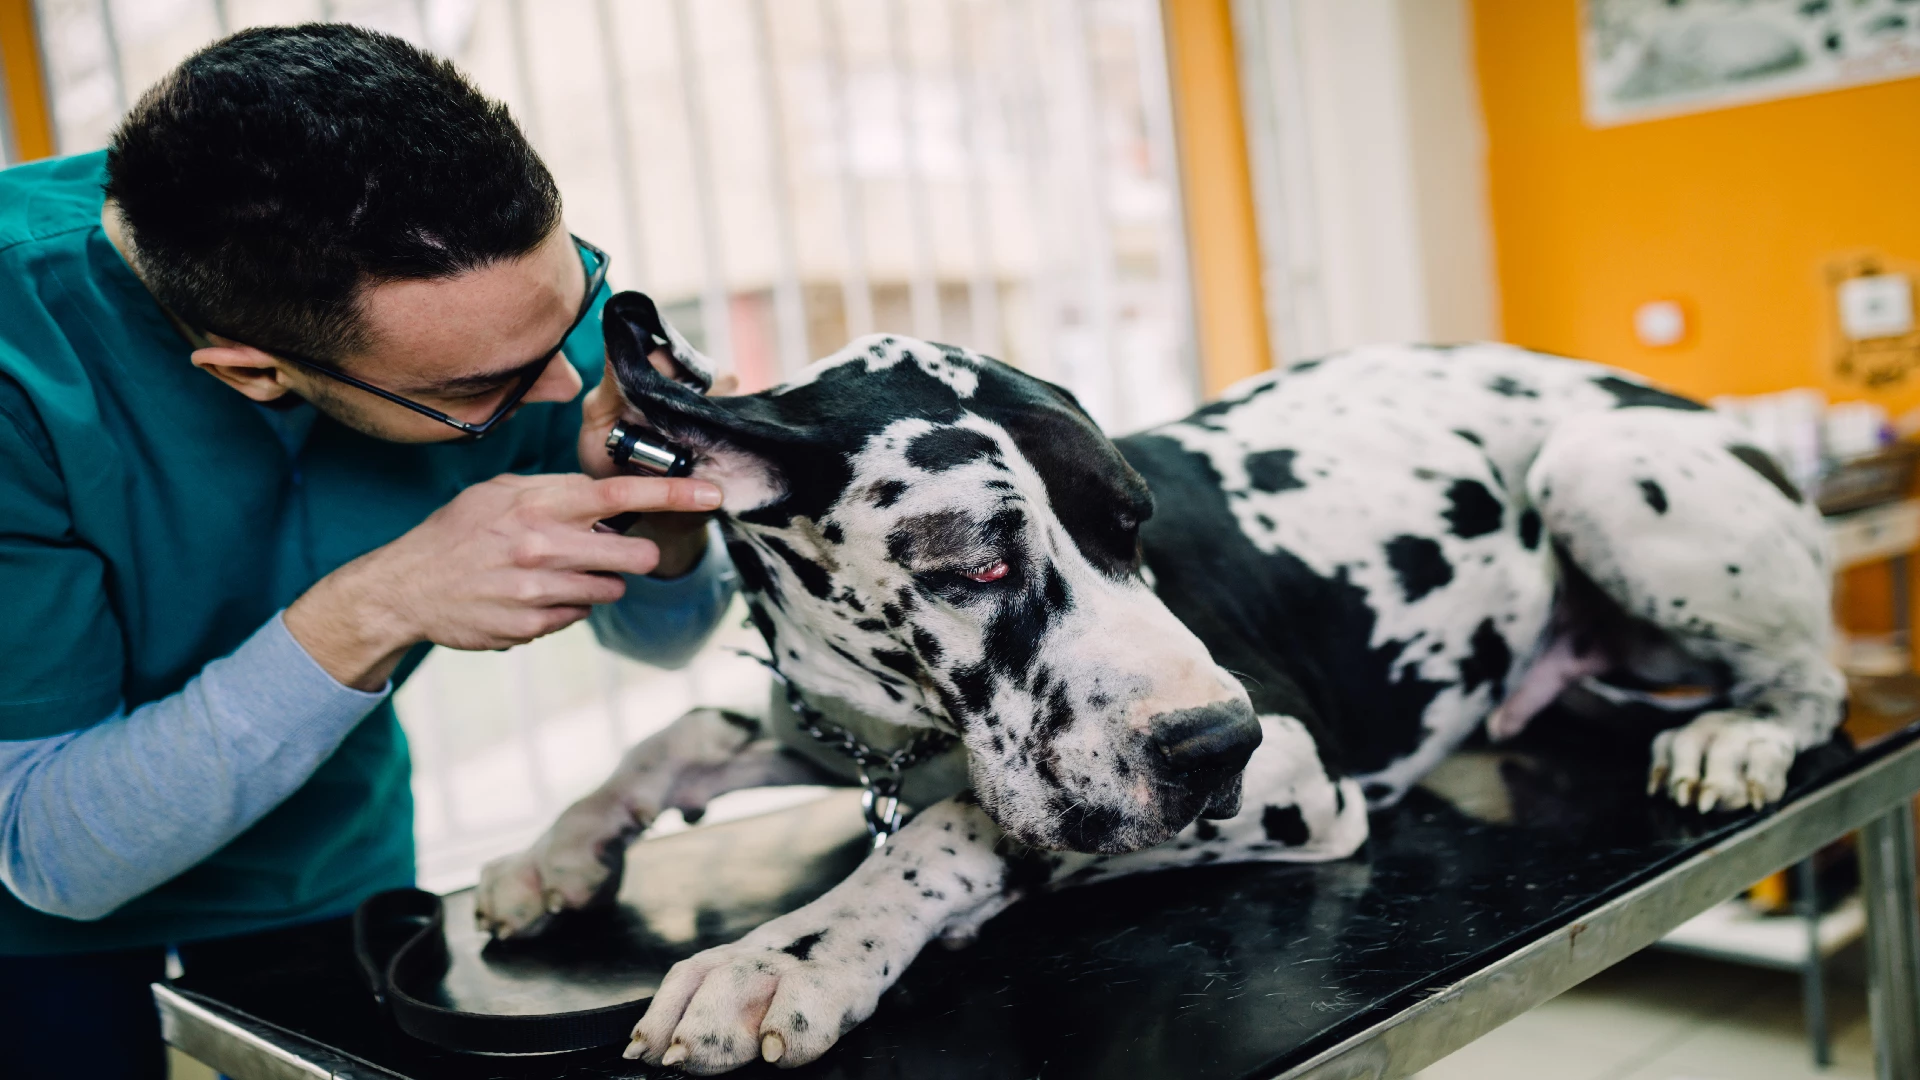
x,y
734,442
244,368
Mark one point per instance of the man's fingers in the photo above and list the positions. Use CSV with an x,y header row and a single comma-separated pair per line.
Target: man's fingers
x,y
546,589
600,553
621,494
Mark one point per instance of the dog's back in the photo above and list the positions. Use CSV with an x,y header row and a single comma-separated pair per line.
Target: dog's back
x,y
1374,539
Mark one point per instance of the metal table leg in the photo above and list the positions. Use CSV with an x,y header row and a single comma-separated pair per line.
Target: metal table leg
x,y
1813,989
1893,943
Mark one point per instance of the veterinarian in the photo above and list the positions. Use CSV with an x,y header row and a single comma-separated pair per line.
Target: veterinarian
x,y
291,389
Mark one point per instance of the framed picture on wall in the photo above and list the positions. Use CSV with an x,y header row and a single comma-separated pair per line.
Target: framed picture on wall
x,y
1642,59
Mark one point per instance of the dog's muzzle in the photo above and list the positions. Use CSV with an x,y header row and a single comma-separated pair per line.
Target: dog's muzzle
x,y
1205,749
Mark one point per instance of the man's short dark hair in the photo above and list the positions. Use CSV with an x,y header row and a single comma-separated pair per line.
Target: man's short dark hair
x,y
276,173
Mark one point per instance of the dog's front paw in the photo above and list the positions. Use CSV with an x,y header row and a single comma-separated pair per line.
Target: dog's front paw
x,y
1722,761
775,996
575,864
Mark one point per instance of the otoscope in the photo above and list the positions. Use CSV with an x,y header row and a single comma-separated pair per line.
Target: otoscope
x,y
642,452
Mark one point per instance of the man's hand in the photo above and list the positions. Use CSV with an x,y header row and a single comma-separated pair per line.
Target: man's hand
x,y
682,538
507,561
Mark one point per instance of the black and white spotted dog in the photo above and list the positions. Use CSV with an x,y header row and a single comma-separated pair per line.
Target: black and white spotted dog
x,y
1222,639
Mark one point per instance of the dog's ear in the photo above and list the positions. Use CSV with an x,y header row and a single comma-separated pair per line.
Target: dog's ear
x,y
742,444
633,321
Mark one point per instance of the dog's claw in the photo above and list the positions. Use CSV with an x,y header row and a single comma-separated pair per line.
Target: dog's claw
x,y
634,1049
1709,798
1656,779
772,1046
1683,791
675,1054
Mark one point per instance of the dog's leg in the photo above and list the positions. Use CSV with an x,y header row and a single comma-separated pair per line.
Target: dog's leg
x,y
1687,528
790,989
578,860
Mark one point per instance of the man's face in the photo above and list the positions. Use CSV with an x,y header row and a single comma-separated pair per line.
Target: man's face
x,y
456,344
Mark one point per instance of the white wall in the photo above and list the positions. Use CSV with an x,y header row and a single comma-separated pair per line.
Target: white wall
x,y
1370,175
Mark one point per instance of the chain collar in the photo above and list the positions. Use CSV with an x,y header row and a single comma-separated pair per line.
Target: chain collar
x,y
880,771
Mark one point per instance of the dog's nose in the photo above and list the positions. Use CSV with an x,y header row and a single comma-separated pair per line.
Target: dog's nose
x,y
1206,746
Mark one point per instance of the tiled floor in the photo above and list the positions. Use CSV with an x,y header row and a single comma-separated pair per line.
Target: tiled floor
x,y
1656,1016
1659,1016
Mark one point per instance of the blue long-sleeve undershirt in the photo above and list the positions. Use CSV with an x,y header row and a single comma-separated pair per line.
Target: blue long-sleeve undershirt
x,y
95,817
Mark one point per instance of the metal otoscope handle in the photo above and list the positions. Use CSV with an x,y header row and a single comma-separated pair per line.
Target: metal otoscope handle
x,y
637,450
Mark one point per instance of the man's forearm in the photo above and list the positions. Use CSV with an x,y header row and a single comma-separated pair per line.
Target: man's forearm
x,y
93,818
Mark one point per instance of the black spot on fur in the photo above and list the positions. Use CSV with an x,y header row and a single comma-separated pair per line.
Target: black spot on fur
x,y
1088,828
1472,509
1506,386
762,622
1655,495
1419,564
802,947
1303,365
1469,436
902,662
974,684
798,1023
1285,825
1488,662
833,533
1376,791
754,577
893,614
930,650
1757,460
888,492
1205,830
1055,591
1530,528
1272,470
871,626
812,575
1631,395
909,875
946,448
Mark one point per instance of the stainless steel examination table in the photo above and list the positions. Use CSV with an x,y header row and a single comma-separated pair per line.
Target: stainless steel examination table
x,y
1508,878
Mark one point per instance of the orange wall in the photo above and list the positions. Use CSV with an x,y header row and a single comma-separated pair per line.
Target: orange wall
x,y
1733,212
20,68
1223,239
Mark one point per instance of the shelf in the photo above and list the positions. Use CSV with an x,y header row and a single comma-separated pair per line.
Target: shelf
x,y
1735,932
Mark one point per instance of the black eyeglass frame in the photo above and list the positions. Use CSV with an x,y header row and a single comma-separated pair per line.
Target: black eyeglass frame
x,y
596,278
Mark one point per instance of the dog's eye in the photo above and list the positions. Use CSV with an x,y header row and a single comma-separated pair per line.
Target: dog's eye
x,y
992,571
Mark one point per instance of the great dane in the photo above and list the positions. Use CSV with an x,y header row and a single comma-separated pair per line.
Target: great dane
x,y
1222,639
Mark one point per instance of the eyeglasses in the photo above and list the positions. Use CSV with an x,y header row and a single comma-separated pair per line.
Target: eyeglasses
x,y
522,379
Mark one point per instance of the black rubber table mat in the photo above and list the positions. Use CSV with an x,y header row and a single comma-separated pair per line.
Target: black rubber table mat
x,y
1217,972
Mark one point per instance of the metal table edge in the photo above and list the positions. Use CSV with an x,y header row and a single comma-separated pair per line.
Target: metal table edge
x,y
236,1045
1457,1014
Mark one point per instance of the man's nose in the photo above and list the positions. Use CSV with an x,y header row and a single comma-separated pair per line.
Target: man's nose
x,y
1206,746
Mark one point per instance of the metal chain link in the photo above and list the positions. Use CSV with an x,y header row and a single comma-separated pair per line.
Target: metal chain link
x,y
880,772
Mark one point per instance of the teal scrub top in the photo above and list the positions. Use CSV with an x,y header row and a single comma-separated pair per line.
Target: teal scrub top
x,y
151,520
